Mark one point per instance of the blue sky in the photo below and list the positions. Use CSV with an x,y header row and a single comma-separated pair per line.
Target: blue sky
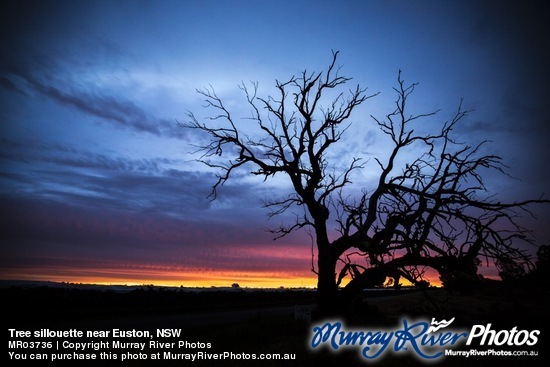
x,y
98,178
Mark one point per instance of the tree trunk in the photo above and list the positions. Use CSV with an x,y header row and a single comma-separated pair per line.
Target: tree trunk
x,y
327,291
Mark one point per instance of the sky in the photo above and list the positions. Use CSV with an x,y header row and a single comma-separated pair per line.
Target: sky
x,y
99,183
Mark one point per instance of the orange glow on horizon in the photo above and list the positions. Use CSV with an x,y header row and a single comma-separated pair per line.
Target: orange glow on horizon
x,y
113,273
177,278
197,279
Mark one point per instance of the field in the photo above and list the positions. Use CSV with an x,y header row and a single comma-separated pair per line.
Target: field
x,y
263,321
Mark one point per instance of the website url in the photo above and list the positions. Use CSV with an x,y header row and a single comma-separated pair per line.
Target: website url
x,y
491,353
229,355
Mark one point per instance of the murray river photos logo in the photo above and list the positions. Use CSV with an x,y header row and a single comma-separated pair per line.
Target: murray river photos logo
x,y
427,341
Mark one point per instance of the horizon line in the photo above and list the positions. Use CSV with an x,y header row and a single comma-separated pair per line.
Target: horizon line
x,y
5,283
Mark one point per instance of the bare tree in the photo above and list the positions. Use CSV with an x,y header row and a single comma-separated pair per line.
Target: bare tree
x,y
426,213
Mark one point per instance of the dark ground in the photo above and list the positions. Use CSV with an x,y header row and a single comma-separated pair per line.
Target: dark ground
x,y
247,321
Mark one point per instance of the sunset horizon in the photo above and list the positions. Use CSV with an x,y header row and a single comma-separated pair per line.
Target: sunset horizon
x,y
199,279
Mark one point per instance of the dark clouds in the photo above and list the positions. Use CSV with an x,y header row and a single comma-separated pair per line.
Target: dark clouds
x,y
89,179
40,74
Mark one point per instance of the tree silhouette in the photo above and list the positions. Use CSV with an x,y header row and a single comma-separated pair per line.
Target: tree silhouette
x,y
510,271
425,213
